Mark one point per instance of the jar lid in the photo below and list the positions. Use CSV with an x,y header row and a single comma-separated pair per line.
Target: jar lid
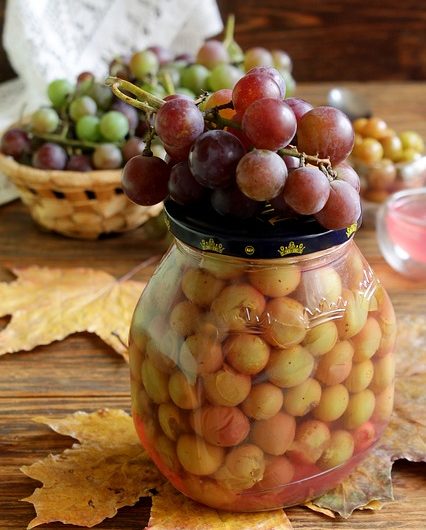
x,y
265,236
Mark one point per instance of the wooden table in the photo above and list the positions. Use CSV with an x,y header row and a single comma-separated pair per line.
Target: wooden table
x,y
82,373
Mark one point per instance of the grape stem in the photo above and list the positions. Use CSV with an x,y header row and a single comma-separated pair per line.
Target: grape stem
x,y
147,102
229,31
323,164
60,139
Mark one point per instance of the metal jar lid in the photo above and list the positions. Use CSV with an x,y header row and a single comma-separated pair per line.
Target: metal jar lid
x,y
266,236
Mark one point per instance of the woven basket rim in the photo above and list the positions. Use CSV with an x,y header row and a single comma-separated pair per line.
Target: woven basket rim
x,y
70,179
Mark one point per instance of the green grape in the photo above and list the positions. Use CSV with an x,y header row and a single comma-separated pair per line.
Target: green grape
x,y
143,63
82,106
87,128
45,120
185,92
194,77
224,76
114,126
58,91
154,89
107,156
101,94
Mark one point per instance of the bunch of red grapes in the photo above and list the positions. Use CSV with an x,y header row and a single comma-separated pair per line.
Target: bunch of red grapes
x,y
249,148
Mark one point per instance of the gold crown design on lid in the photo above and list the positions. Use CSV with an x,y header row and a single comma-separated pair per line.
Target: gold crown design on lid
x,y
291,248
211,245
351,229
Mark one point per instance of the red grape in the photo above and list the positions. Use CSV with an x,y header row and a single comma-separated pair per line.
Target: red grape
x,y
212,53
107,156
214,157
342,208
183,187
145,179
347,173
231,201
252,87
261,174
133,147
326,132
269,123
79,163
272,72
130,112
306,190
299,106
179,122
50,156
15,142
164,55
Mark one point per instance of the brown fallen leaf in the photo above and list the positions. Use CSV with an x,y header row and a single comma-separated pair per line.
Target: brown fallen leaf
x,y
47,304
371,483
86,484
173,511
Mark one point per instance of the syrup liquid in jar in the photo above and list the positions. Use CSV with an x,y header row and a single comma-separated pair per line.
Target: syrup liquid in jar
x,y
261,360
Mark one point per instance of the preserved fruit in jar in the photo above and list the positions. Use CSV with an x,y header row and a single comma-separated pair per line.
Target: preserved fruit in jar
x,y
261,363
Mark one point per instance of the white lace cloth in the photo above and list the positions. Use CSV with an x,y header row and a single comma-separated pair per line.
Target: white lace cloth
x,y
50,39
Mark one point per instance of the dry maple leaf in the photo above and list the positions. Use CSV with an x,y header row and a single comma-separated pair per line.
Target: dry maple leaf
x,y
108,469
371,483
48,304
173,511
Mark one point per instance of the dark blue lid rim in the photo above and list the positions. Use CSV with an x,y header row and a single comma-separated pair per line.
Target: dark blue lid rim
x,y
255,238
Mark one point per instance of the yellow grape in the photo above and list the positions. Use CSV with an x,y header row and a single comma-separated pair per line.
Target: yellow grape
x,y
289,367
321,338
243,467
360,376
333,403
227,387
184,394
300,399
197,456
246,352
359,410
276,281
284,322
155,382
274,435
339,450
384,373
367,341
264,401
184,317
201,287
335,366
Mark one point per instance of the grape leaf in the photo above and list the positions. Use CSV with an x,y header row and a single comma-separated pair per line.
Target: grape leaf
x,y
108,469
371,482
54,303
173,511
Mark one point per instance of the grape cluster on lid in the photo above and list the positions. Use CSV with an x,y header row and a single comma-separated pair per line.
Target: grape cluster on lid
x,y
237,151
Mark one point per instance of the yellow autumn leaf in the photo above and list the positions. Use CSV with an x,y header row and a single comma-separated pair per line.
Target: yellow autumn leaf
x,y
47,304
173,511
371,483
108,469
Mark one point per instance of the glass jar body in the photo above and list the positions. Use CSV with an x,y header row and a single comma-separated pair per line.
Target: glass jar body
x,y
258,384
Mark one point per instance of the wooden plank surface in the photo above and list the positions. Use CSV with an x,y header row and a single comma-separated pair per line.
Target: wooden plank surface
x,y
82,373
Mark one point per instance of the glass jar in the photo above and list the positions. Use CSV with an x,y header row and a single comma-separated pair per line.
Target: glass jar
x,y
261,361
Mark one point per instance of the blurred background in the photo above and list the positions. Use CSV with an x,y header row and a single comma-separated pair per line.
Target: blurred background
x,y
352,40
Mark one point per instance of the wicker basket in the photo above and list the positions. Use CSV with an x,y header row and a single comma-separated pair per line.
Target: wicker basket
x,y
77,204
